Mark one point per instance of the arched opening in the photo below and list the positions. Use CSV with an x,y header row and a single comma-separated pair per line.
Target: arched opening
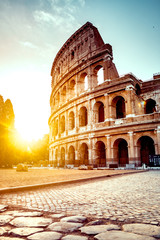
x,y
118,107
71,155
62,160
56,127
62,124
72,88
100,74
121,152
56,158
86,82
100,154
146,148
150,106
83,154
71,121
98,112
138,89
83,121
82,83
63,93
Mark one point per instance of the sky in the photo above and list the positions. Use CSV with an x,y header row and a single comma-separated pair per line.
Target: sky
x,y
33,31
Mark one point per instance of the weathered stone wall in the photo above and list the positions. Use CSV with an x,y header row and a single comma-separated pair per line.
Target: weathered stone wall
x,y
98,118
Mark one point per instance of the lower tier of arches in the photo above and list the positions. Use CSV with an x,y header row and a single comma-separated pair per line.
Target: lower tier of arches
x,y
107,151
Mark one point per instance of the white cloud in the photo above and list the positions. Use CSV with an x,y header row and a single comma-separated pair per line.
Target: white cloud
x,y
28,44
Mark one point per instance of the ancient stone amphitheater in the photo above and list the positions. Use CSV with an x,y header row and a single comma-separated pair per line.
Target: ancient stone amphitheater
x,y
97,117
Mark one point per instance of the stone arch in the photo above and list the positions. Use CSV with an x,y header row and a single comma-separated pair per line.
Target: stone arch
x,y
83,117
120,152
72,88
118,107
146,147
62,124
83,154
62,160
71,121
56,157
63,94
99,73
100,154
138,89
98,112
56,127
81,82
71,155
150,106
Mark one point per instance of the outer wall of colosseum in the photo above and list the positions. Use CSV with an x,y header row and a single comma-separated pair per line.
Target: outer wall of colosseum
x,y
97,117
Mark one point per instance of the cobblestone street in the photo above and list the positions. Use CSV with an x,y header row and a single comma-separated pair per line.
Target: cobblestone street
x,y
134,197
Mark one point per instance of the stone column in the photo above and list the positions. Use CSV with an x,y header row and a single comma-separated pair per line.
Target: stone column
x,y
108,151
66,122
106,109
76,119
130,108
158,140
131,152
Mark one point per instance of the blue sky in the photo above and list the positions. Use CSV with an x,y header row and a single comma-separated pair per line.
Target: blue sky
x,y
32,32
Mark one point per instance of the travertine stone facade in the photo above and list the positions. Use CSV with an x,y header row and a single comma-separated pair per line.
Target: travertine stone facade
x,y
97,117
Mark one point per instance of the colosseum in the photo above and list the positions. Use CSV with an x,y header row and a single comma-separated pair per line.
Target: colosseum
x,y
97,117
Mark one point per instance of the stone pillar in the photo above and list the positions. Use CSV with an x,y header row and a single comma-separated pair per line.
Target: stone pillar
x,y
76,119
66,122
94,161
76,154
108,151
130,108
106,109
90,112
158,140
131,151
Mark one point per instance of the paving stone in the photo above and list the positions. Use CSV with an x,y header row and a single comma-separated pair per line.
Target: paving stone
x,y
5,219
2,231
119,235
98,229
28,214
143,229
45,236
57,215
74,237
79,219
3,207
9,238
31,222
64,226
23,232
96,222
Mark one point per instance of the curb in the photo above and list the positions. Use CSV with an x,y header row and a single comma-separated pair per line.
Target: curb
x,y
36,186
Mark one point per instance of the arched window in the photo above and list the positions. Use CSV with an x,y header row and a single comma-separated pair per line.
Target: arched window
x,y
62,160
150,106
63,93
138,90
121,152
82,83
56,127
83,121
100,74
72,88
62,124
83,154
71,121
118,107
100,154
99,112
71,155
146,148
